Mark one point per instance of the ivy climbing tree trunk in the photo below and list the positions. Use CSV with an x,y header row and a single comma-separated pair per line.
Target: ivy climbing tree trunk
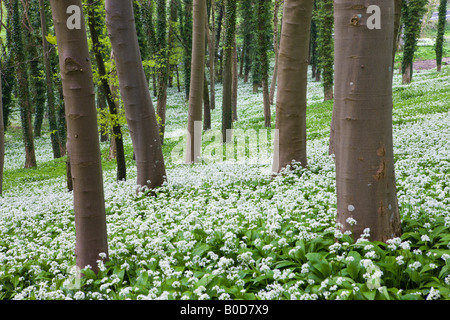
x,y
53,125
440,33
116,129
194,129
82,135
365,178
290,137
134,90
412,13
22,86
163,69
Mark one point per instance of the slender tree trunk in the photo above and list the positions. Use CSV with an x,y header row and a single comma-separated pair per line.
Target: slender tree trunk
x,y
212,54
275,49
163,70
365,178
23,87
134,90
82,136
194,138
2,138
117,131
440,33
48,78
264,63
234,90
290,135
227,111
206,106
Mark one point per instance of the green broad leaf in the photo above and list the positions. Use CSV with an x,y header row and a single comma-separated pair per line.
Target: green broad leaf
x,y
367,293
89,273
283,264
142,279
200,249
354,267
319,264
51,39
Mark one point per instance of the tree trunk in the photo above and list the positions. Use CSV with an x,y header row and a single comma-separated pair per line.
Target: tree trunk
x,y
135,93
365,178
194,138
48,78
275,49
82,136
290,137
227,110
264,62
206,106
234,90
117,131
2,139
22,87
163,70
440,34
212,54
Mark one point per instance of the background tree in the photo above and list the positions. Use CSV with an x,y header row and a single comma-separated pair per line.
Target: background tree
x,y
2,138
365,178
440,33
263,13
116,129
163,65
82,137
52,121
290,138
230,27
186,33
325,45
277,5
193,146
247,30
212,54
412,13
22,84
139,111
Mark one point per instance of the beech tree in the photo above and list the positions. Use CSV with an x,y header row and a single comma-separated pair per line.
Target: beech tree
x,y
440,33
139,110
83,144
230,27
365,177
290,137
193,144
263,13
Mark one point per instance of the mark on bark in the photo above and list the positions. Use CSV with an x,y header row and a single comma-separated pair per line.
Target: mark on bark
x,y
381,172
381,210
355,20
71,65
358,7
381,151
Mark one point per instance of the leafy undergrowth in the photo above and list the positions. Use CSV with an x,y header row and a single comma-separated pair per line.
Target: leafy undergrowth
x,y
228,230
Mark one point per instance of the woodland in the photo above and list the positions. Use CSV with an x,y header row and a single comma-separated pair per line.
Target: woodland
x,y
225,150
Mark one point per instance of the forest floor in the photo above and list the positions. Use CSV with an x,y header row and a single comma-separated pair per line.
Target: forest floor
x,y
428,64
228,229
